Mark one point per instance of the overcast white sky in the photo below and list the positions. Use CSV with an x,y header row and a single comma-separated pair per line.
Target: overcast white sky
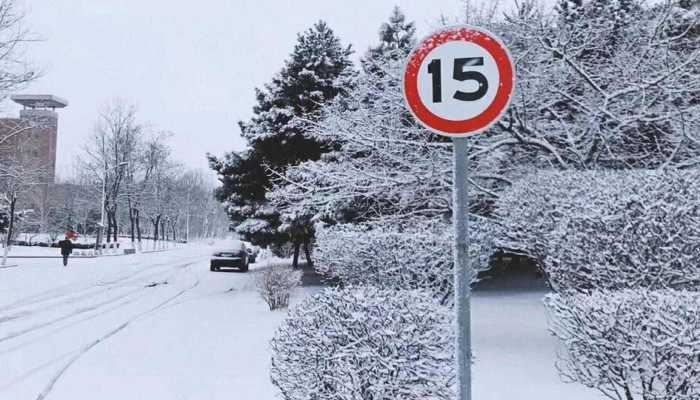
x,y
189,66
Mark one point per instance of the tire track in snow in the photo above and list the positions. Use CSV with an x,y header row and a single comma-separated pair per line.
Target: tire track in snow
x,y
65,290
93,290
64,317
52,383
47,364
89,307
51,294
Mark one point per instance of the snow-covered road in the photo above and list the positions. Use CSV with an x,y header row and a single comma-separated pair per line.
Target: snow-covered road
x,y
150,326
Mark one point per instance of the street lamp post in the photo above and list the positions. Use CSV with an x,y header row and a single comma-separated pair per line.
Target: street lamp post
x,y
101,225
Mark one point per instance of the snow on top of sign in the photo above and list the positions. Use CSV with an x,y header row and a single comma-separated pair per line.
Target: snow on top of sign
x,y
447,34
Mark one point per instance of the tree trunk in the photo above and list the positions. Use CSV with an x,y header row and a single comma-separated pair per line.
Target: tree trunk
x,y
295,260
187,227
10,229
156,225
138,224
132,223
307,252
115,225
132,230
109,228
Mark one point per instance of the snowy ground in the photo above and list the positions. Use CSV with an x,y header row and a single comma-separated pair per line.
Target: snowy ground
x,y
124,243
514,354
163,327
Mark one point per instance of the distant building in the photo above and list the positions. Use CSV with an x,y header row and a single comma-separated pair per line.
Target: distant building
x,y
34,134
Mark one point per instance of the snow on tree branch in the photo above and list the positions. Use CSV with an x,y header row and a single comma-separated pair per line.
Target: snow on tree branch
x,y
607,229
365,343
417,255
630,344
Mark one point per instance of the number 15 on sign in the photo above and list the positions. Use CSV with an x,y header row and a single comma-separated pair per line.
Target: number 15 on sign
x,y
458,82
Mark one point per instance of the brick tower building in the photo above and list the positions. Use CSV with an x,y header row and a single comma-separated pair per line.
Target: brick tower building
x,y
34,133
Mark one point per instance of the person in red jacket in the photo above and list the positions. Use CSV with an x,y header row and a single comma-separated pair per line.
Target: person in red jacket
x,y
66,249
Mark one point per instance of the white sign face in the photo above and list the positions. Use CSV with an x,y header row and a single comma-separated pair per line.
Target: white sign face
x,y
458,80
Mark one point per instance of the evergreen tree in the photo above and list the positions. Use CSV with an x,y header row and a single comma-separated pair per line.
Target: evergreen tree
x,y
319,69
396,39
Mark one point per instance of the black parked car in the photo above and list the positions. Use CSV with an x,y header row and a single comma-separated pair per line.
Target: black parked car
x,y
234,255
252,253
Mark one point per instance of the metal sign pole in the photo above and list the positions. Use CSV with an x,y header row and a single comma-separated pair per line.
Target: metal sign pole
x,y
476,55
462,269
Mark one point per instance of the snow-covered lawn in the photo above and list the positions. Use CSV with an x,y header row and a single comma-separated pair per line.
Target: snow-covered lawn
x,y
162,326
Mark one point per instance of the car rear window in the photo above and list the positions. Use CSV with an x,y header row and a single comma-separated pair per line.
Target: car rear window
x,y
233,247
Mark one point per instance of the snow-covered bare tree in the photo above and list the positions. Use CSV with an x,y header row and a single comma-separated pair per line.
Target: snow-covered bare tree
x,y
159,187
603,84
193,193
630,344
21,175
138,173
365,343
106,157
15,69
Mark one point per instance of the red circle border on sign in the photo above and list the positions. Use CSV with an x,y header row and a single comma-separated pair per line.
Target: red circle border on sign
x,y
492,113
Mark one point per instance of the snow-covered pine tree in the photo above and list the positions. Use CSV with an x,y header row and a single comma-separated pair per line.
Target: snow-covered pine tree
x,y
396,39
318,69
397,36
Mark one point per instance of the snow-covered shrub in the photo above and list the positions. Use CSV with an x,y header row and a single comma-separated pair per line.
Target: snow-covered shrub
x,y
276,283
365,343
418,256
607,229
634,345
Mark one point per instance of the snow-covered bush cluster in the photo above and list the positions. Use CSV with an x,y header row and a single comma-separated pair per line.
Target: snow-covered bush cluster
x,y
620,248
630,344
365,343
276,284
607,229
417,256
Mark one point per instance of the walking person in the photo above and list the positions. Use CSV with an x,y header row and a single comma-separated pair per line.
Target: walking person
x,y
66,249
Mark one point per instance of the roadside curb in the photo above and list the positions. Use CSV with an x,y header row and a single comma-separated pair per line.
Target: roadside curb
x,y
83,257
19,257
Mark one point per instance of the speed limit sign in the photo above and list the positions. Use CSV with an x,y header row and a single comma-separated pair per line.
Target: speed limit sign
x,y
459,81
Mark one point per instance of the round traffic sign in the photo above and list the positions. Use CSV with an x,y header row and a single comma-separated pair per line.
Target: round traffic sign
x,y
459,81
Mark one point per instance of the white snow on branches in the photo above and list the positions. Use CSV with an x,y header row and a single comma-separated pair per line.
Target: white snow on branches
x,y
630,344
416,256
365,343
387,166
607,229
275,285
